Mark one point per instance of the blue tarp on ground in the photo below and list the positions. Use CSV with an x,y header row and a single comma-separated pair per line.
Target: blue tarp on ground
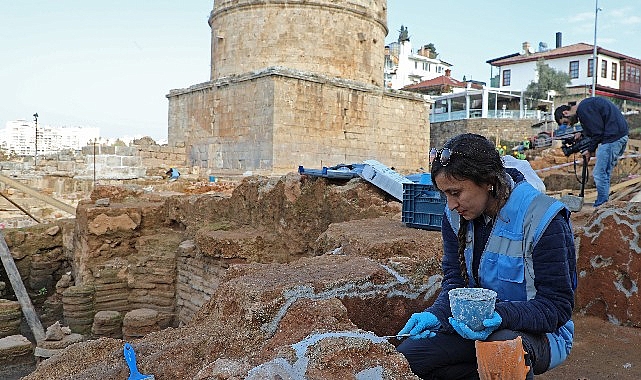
x,y
372,171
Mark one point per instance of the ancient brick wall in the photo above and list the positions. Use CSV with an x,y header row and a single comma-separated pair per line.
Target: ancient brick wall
x,y
342,39
41,254
506,129
198,278
275,120
126,254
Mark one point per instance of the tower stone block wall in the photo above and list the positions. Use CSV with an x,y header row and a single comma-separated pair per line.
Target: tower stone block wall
x,y
342,39
272,121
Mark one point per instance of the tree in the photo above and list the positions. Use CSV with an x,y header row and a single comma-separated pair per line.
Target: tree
x,y
549,79
432,49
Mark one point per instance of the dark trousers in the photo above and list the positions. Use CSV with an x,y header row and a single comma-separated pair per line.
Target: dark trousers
x,y
451,357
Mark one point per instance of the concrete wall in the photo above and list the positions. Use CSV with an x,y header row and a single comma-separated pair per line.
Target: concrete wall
x,y
273,121
342,39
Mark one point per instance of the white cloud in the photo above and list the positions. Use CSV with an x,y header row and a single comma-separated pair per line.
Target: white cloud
x,y
582,17
630,20
625,16
605,41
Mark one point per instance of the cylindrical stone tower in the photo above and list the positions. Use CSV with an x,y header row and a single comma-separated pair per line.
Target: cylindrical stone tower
x,y
337,38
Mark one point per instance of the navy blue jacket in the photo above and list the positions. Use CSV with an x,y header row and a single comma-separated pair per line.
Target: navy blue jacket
x,y
554,261
601,121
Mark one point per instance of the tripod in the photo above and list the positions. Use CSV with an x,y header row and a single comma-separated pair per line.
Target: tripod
x,y
584,175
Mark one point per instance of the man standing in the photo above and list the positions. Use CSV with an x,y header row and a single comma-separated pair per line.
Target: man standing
x,y
604,123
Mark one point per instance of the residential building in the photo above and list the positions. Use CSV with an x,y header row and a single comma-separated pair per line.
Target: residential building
x,y
618,76
403,67
21,138
442,85
456,100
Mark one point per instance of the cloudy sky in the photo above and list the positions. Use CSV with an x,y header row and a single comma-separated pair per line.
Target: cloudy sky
x,y
109,64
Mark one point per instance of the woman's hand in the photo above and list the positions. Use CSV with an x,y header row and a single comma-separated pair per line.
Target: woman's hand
x,y
421,325
490,324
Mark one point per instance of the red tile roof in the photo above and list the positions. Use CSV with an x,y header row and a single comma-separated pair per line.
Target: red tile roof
x,y
443,80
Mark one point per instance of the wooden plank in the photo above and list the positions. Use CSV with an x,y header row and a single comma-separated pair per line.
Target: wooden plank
x,y
592,195
47,199
20,291
620,194
18,206
634,144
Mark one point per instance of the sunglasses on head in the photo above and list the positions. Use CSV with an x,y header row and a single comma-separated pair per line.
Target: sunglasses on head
x,y
443,155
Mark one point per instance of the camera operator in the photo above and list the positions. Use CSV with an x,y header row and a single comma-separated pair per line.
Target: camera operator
x,y
606,127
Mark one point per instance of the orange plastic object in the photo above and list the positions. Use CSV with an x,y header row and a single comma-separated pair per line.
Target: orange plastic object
x,y
501,360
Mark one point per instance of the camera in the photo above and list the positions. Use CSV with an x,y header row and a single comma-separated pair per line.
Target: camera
x,y
569,145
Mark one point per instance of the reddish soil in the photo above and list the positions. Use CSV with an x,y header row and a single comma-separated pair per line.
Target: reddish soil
x,y
601,350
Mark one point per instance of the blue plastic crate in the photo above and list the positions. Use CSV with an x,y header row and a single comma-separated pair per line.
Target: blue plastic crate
x,y
423,206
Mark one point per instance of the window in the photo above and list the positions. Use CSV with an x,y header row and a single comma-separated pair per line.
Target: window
x,y
507,74
614,71
590,67
632,73
574,69
604,69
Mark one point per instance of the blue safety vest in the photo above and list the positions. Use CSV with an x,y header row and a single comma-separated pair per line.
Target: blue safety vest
x,y
506,264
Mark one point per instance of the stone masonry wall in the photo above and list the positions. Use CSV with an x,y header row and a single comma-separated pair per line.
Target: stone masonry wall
x,y
295,118
342,39
198,278
225,126
328,123
505,129
41,254
162,156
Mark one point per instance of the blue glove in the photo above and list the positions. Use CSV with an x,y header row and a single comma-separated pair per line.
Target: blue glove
x,y
490,324
421,325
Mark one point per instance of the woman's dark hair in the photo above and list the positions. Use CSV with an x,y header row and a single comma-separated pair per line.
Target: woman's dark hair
x,y
472,157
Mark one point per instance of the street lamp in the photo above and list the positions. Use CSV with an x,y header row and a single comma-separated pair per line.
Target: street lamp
x,y
594,60
35,154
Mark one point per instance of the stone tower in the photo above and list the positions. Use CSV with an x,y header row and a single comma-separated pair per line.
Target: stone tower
x,y
341,39
297,82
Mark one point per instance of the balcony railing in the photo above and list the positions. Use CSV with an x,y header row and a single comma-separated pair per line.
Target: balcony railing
x,y
491,114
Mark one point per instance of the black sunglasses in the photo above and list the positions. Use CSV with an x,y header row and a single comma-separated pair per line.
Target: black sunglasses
x,y
443,155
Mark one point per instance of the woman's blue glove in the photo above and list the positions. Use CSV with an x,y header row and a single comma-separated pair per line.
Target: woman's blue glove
x,y
490,324
421,325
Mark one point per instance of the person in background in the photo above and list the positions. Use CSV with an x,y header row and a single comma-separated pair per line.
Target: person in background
x,y
499,233
605,125
173,174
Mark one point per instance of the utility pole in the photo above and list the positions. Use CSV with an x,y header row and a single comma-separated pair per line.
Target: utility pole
x,y
35,153
94,162
594,59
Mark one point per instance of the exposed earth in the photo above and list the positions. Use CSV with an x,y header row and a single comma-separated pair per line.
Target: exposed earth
x,y
602,350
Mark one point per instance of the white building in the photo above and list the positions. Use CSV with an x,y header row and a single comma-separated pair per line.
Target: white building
x,y
404,67
20,137
617,76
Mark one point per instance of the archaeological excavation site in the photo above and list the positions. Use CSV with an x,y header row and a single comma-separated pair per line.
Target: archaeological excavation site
x,y
264,277
286,248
